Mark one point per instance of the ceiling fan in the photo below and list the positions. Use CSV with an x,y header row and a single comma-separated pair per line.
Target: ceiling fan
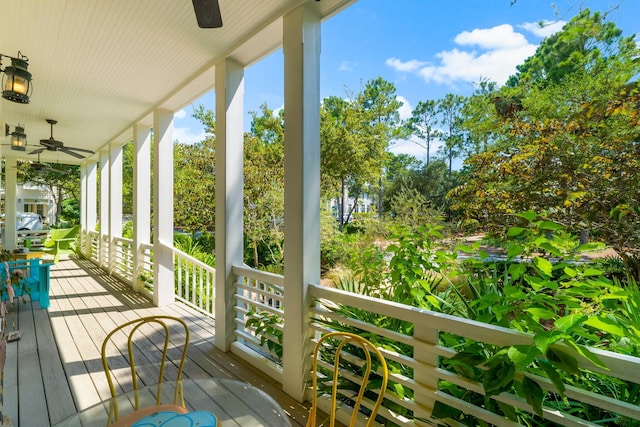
x,y
41,167
52,144
207,13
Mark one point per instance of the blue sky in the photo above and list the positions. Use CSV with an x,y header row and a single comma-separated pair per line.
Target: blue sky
x,y
427,48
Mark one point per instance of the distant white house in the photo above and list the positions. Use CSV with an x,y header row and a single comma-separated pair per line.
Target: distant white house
x,y
32,198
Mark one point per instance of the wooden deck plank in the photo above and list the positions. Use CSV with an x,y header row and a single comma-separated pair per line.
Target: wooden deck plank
x,y
32,404
55,380
56,365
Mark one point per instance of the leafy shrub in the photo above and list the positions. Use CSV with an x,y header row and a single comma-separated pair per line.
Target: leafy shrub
x,y
539,287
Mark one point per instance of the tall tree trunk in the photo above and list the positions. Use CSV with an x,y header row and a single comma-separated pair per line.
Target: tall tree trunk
x,y
344,202
59,205
380,198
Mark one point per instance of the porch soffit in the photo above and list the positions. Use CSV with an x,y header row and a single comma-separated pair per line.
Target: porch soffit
x,y
99,67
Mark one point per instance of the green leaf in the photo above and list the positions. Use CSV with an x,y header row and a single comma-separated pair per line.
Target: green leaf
x,y
483,254
469,358
534,394
433,301
541,313
499,376
515,250
567,323
571,272
528,215
543,340
441,410
606,324
563,360
515,231
517,269
585,352
544,265
553,375
592,272
550,225
523,355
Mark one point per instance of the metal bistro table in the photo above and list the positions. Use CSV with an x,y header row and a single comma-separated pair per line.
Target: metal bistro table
x,y
236,404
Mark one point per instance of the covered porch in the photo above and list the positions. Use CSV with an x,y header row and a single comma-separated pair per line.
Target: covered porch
x,y
116,73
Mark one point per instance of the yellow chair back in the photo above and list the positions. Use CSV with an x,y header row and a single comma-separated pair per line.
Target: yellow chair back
x,y
156,330
342,346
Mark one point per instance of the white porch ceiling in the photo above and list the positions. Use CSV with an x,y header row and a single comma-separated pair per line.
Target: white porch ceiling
x,y
101,66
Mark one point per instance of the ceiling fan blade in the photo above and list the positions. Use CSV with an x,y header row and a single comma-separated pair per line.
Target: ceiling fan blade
x,y
208,13
71,153
38,151
79,149
49,143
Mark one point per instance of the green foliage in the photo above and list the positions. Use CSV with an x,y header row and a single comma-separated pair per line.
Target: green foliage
x,y
268,327
264,190
187,244
540,287
70,211
127,230
566,139
354,136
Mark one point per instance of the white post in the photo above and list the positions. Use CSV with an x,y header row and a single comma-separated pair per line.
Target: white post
x,y
103,259
163,276
229,198
90,201
10,203
83,209
302,189
141,196
115,200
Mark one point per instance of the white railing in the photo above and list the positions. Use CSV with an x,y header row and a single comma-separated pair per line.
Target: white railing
x,y
259,298
195,283
93,250
121,259
259,295
33,239
428,351
145,269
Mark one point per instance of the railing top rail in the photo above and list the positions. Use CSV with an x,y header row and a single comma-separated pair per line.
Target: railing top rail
x,y
263,276
122,239
618,365
192,260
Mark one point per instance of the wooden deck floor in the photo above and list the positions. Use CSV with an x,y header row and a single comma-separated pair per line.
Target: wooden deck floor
x,y
54,370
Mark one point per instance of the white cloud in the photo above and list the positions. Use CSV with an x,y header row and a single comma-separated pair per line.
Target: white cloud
x,y
408,66
405,109
499,37
547,29
180,114
488,53
188,136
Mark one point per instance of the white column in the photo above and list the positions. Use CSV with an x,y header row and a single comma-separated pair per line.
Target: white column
x,y
163,208
229,188
90,202
83,209
10,205
104,207
115,199
141,195
302,189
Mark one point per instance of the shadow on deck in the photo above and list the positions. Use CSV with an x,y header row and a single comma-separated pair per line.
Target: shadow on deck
x,y
55,370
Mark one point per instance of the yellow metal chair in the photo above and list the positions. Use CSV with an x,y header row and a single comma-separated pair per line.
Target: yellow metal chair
x,y
341,349
137,328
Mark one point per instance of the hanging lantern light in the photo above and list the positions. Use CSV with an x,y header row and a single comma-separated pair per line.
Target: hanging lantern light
x,y
18,137
16,82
